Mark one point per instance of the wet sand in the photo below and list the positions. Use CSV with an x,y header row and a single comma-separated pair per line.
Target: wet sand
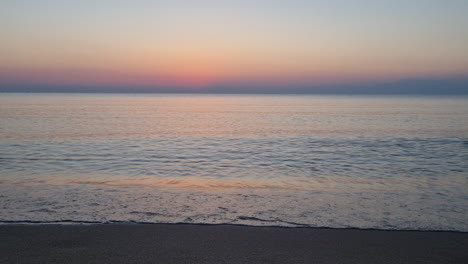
x,y
185,243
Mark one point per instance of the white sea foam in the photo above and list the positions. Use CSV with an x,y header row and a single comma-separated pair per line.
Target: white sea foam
x,y
388,163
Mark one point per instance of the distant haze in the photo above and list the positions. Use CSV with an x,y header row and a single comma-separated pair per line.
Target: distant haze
x,y
244,46
426,87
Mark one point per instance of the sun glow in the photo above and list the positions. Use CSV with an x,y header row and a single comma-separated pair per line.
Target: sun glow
x,y
210,43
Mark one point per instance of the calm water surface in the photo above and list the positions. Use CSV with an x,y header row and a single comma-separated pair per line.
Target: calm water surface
x,y
334,161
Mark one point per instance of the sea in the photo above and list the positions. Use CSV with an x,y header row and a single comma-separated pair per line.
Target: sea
x,y
368,162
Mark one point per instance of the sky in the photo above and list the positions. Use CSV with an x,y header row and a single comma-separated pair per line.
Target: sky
x,y
251,45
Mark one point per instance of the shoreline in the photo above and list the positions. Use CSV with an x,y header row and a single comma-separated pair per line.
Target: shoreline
x,y
131,223
206,243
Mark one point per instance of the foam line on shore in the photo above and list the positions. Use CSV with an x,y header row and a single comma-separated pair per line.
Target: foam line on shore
x,y
117,222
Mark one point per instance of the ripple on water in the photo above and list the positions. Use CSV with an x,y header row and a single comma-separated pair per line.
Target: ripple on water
x,y
261,160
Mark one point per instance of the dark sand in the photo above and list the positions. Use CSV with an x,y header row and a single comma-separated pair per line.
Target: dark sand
x,y
178,243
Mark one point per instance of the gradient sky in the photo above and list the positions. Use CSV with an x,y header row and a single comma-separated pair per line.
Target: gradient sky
x,y
202,43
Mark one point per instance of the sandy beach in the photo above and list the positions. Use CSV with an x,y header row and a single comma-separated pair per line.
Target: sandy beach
x,y
247,131
181,243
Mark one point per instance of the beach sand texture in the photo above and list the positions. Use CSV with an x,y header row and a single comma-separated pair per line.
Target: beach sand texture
x,y
181,243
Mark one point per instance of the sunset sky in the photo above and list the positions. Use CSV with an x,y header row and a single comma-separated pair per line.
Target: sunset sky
x,y
195,44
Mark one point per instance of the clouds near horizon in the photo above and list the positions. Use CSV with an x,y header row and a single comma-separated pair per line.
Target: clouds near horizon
x,y
195,45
